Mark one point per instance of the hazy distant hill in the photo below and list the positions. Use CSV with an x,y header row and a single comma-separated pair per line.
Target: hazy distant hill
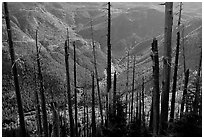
x,y
133,26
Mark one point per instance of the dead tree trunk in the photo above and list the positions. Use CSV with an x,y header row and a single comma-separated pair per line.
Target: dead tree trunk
x,y
43,103
156,92
66,47
37,107
184,59
184,92
15,73
175,79
140,107
96,74
75,92
197,91
166,66
143,106
133,83
137,105
84,112
114,95
108,62
175,70
87,117
93,109
56,126
126,97
151,118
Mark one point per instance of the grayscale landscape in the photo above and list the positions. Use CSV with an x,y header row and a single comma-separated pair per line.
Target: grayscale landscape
x,y
102,69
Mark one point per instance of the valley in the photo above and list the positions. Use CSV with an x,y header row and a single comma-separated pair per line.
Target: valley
x,y
133,27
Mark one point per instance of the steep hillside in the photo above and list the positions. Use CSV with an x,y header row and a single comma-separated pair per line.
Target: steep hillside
x,y
127,28
142,51
133,27
25,19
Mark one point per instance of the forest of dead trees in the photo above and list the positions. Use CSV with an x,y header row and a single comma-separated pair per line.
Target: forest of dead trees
x,y
122,114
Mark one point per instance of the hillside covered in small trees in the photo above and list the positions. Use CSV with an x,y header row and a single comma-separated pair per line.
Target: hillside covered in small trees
x,y
84,69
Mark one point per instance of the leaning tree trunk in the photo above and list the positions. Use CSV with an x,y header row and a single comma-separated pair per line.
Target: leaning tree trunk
x,y
166,66
175,69
175,79
43,103
66,47
96,73
156,92
75,92
15,73
93,109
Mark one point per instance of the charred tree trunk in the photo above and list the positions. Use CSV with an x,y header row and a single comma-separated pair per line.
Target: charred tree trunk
x,y
93,109
184,92
175,70
175,79
96,74
184,59
151,118
75,92
43,103
66,47
137,105
133,83
197,91
143,106
114,95
15,73
37,108
166,66
126,97
56,126
87,117
84,113
140,108
108,62
156,92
